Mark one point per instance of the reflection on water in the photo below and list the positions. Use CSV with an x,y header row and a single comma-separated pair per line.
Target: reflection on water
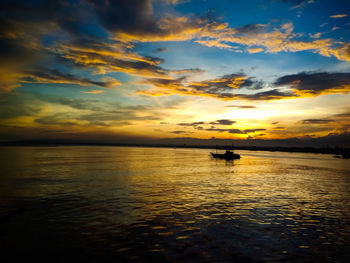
x,y
140,204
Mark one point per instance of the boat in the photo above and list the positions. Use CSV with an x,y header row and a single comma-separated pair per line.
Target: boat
x,y
228,155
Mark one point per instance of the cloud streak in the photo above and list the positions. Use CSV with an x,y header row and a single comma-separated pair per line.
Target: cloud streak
x,y
55,76
339,16
317,121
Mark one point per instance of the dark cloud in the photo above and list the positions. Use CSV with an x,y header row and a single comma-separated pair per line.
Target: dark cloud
x,y
180,132
225,87
217,122
55,76
160,49
191,124
242,106
235,131
222,84
343,115
13,106
14,50
315,83
135,20
223,122
274,94
317,121
164,82
56,119
250,28
134,16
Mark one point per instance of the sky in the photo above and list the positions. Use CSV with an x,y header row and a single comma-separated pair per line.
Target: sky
x,y
131,70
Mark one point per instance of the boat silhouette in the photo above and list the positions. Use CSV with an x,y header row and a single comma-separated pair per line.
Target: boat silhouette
x,y
228,155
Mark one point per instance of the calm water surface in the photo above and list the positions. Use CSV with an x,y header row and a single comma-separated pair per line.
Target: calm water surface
x,y
104,204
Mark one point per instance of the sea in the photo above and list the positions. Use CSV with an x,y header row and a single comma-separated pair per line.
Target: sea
x,y
138,204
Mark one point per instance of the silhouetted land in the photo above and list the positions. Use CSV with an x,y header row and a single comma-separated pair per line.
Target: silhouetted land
x,y
337,151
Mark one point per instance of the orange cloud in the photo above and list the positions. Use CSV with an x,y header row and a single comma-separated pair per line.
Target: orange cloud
x,y
93,91
255,50
339,16
278,39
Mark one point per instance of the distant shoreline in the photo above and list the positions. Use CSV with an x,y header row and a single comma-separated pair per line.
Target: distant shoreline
x,y
339,152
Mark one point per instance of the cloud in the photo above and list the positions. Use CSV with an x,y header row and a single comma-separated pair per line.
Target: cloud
x,y
134,20
339,16
223,122
225,87
15,54
242,106
51,111
174,2
316,35
117,57
316,83
113,57
253,130
217,122
160,49
180,132
191,124
342,52
55,76
13,106
227,82
115,27
23,25
92,92
271,39
255,50
211,88
235,131
317,121
343,115
230,87
71,44
60,119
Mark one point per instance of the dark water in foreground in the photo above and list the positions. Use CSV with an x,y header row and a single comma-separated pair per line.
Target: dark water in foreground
x,y
74,204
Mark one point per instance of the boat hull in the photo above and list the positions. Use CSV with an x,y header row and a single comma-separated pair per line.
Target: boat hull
x,y
226,156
